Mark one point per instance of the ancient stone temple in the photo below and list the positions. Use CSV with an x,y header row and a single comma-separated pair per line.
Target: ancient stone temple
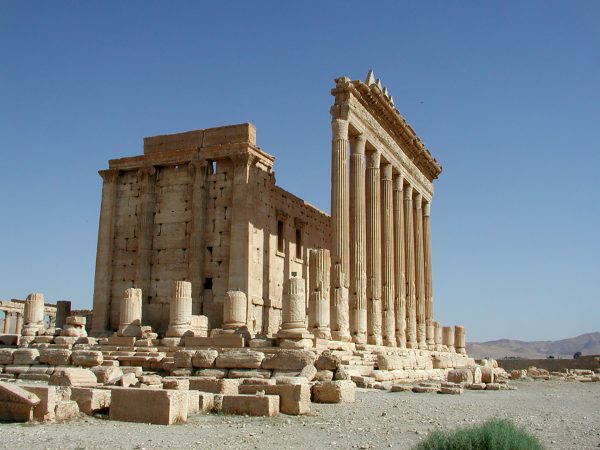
x,y
203,207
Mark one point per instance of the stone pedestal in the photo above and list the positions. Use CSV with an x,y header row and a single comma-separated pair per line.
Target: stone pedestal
x,y
318,308
34,314
448,338
180,311
130,322
293,332
63,310
459,339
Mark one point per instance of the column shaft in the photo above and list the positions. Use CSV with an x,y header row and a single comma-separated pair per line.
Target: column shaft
x,y
373,249
318,307
399,259
411,311
430,336
387,256
104,253
358,236
7,320
420,272
340,247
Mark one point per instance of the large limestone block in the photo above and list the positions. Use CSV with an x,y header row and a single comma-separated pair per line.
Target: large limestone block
x,y
215,385
50,397
23,356
334,391
160,407
460,376
390,362
6,355
212,373
518,374
249,373
206,401
105,374
178,384
55,356
289,359
70,376
487,374
66,410
193,402
183,358
328,361
86,358
16,404
293,399
476,374
240,359
91,400
204,359
251,405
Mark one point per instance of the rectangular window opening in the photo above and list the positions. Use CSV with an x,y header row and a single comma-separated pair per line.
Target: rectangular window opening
x,y
280,241
298,243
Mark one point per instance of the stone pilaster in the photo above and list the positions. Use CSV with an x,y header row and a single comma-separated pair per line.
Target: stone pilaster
x,y
399,263
180,309
419,272
430,335
411,308
7,319
358,237
239,253
130,313
387,256
63,310
459,339
104,253
373,249
340,247
34,314
318,305
448,338
293,332
144,231
198,169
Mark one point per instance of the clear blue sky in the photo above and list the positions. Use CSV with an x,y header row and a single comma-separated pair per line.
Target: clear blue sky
x,y
506,95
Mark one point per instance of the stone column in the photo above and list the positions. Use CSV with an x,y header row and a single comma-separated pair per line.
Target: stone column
x,y
144,232
180,311
318,306
34,314
293,332
387,256
198,169
7,320
340,246
130,314
420,273
358,237
399,258
235,306
411,308
373,249
430,334
448,338
459,339
104,253
239,253
63,310
437,337
19,324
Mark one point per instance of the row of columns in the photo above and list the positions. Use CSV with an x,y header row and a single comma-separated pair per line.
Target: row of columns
x,y
380,250
8,319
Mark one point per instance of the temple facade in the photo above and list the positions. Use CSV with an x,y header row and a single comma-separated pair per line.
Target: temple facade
x,y
203,207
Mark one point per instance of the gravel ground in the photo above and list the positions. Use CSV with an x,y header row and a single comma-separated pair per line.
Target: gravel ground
x,y
564,415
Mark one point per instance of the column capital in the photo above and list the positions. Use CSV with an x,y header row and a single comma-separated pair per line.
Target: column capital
x,y
374,159
242,160
357,144
426,209
418,201
408,192
195,166
145,172
386,173
339,129
108,175
398,181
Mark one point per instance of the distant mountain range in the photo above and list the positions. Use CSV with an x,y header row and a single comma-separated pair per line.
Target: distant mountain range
x,y
587,344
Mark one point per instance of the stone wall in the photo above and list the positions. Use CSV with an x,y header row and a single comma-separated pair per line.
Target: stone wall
x,y
588,362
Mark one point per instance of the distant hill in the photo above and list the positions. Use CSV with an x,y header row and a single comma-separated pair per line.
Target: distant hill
x,y
587,344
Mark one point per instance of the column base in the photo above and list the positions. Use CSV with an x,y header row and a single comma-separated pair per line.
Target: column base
x,y
359,338
375,340
322,333
341,336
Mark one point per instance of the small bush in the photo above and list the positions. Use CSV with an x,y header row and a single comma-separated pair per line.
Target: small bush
x,y
494,434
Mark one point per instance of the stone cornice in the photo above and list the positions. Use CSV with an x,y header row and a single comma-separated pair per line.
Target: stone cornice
x,y
380,106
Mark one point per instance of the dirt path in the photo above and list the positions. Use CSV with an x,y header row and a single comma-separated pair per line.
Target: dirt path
x,y
564,415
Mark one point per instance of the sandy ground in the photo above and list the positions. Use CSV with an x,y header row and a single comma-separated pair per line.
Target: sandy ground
x,y
564,415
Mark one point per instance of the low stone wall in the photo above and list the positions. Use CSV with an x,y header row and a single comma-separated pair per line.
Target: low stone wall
x,y
590,362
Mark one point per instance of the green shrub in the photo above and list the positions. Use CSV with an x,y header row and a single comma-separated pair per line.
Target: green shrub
x,y
494,434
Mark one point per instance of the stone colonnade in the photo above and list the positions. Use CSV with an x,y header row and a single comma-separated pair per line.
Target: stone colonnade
x,y
381,286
